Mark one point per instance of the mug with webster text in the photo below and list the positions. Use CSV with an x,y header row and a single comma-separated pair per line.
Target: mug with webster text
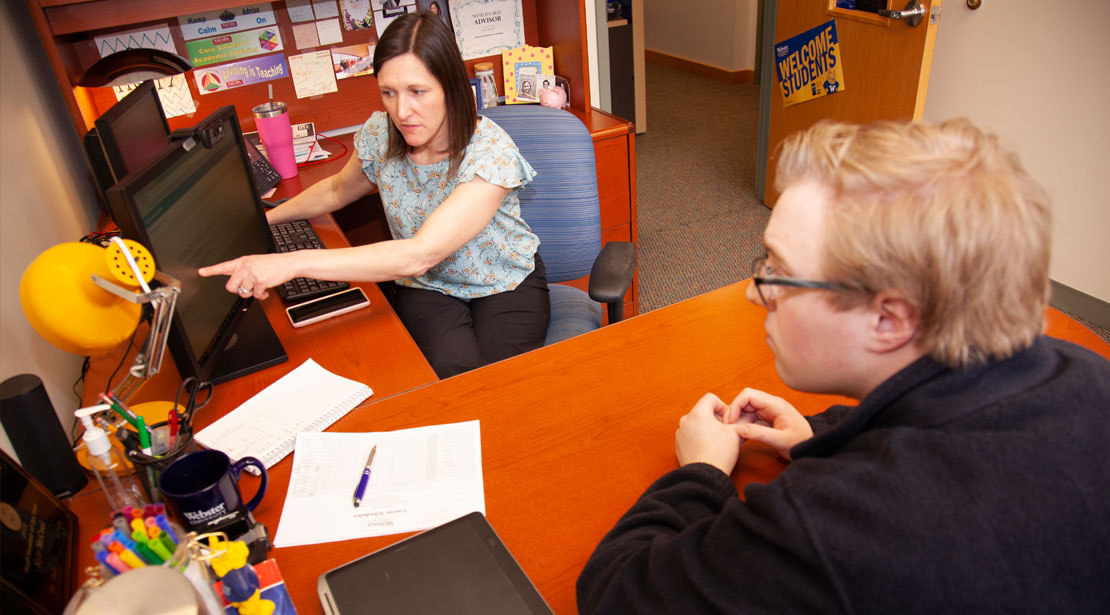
x,y
201,488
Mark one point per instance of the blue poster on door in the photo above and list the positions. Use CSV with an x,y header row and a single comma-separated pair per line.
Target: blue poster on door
x,y
808,65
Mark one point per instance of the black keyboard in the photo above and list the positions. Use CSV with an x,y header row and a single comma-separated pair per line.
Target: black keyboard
x,y
299,235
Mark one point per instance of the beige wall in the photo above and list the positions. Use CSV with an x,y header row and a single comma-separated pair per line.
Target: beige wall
x,y
45,192
720,33
1036,74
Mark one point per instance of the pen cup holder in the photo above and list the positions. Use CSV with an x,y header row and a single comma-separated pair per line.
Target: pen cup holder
x,y
149,468
187,559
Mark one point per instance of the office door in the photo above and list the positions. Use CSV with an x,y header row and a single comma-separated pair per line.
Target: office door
x,y
886,69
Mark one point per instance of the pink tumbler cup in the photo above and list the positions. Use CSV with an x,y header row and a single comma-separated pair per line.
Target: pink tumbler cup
x,y
276,135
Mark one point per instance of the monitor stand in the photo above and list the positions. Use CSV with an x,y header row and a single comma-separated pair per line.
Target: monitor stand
x,y
252,347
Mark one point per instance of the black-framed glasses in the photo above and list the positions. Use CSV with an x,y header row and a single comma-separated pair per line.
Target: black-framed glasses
x,y
763,276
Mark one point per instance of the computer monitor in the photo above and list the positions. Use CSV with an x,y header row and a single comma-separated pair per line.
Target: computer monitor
x,y
127,136
194,205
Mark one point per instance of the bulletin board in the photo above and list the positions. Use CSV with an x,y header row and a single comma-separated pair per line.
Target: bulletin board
x,y
240,53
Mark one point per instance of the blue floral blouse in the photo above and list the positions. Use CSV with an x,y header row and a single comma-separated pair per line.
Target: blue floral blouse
x,y
502,254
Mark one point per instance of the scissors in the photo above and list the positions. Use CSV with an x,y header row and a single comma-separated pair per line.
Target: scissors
x,y
192,387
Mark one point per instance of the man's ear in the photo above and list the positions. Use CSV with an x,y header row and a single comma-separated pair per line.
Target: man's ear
x,y
893,324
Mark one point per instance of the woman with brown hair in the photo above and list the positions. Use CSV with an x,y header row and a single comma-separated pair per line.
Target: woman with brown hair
x,y
467,279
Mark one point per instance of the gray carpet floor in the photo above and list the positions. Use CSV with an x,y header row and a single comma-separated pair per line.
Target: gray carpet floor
x,y
699,222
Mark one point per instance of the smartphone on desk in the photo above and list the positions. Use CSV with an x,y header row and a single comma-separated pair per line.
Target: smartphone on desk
x,y
327,307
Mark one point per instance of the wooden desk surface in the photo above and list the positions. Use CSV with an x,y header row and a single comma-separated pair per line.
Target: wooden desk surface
x,y
572,433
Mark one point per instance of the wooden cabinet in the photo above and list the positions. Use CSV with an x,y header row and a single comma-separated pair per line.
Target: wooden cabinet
x,y
68,29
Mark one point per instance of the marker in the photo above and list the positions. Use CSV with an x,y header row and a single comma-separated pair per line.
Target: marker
x,y
128,557
156,546
120,410
144,441
361,489
112,561
157,535
142,548
173,420
164,523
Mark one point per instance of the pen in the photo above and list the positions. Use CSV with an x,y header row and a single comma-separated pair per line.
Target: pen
x,y
365,477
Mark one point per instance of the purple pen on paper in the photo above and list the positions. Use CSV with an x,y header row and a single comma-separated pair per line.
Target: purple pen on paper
x,y
361,489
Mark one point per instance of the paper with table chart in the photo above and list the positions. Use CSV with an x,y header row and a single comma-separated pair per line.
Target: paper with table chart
x,y
420,478
309,398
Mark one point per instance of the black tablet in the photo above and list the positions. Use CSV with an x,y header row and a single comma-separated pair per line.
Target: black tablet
x,y
458,568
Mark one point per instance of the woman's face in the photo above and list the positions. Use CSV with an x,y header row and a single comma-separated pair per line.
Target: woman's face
x,y
415,101
434,9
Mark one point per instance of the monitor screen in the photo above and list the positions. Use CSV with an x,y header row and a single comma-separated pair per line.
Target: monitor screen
x,y
194,206
128,135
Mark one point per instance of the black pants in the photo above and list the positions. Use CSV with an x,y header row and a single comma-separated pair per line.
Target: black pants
x,y
456,336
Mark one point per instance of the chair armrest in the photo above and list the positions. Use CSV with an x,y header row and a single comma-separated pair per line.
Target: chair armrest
x,y
611,276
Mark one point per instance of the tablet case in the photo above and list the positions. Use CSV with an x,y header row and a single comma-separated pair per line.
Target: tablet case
x,y
457,568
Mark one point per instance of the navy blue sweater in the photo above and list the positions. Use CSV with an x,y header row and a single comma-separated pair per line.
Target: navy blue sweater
x,y
983,490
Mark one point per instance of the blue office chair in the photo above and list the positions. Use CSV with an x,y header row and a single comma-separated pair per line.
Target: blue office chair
x,y
561,205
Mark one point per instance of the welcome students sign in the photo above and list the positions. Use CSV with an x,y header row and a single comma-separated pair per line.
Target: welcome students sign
x,y
808,65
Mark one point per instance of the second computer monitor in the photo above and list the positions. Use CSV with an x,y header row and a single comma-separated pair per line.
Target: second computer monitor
x,y
128,136
195,206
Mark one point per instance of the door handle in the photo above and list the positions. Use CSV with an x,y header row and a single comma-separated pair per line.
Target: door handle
x,y
913,14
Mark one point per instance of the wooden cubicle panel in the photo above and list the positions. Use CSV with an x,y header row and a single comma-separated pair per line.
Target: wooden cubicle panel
x,y
67,29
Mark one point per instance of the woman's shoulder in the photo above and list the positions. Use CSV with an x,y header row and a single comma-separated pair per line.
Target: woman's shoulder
x,y
373,135
490,134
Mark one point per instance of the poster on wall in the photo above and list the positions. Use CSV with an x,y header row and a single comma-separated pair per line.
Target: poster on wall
x,y
233,46
808,65
237,74
215,23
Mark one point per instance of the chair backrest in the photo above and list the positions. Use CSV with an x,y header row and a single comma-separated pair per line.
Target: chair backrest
x,y
561,203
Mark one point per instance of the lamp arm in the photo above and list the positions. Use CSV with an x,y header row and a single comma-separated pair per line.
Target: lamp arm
x,y
148,361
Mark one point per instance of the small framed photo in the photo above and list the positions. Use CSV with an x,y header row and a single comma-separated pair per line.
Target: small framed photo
x,y
527,89
476,87
393,8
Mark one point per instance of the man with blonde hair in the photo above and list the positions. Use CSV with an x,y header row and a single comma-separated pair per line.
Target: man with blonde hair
x,y
906,267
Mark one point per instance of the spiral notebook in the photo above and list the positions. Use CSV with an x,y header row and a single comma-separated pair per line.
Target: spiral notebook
x,y
309,398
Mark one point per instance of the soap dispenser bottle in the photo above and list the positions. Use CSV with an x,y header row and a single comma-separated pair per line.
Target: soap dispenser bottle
x,y
107,463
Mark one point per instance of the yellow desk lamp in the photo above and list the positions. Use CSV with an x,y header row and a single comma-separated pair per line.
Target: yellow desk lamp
x,y
88,300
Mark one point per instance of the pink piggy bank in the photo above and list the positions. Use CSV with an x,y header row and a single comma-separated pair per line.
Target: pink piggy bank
x,y
554,96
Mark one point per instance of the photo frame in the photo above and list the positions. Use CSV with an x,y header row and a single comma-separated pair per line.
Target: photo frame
x,y
476,86
437,7
394,8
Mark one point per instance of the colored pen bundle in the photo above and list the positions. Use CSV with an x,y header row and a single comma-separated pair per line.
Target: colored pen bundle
x,y
138,537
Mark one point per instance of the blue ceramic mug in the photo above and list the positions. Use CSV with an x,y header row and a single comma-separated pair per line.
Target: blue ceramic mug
x,y
201,488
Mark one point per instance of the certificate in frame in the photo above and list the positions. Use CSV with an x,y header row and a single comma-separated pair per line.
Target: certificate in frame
x,y
487,27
